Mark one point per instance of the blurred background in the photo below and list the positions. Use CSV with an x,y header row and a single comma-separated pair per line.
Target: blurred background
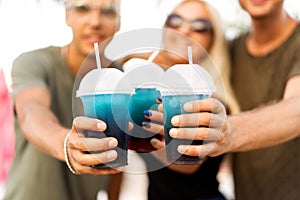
x,y
31,24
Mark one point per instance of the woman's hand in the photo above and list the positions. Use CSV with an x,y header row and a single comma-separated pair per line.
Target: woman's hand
x,y
155,125
78,147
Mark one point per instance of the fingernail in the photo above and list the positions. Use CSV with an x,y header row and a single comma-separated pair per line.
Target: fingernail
x,y
173,132
159,99
181,149
153,142
101,126
111,155
146,124
112,143
188,106
148,113
175,121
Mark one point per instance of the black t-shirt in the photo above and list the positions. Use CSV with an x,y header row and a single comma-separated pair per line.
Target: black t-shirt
x,y
166,184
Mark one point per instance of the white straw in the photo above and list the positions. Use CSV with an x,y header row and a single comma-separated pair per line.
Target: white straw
x,y
97,54
153,55
190,55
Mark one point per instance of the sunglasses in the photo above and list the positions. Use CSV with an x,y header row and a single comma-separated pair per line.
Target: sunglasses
x,y
82,7
199,25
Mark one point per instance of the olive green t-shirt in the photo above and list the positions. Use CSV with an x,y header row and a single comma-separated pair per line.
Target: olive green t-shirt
x,y
271,173
35,175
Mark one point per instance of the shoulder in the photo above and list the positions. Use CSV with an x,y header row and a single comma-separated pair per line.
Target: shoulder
x,y
297,30
36,54
237,45
291,45
238,40
48,49
35,61
295,37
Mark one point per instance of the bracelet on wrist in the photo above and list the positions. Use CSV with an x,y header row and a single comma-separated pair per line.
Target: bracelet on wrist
x,y
66,153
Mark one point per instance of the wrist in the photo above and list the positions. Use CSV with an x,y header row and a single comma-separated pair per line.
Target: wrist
x,y
235,139
59,154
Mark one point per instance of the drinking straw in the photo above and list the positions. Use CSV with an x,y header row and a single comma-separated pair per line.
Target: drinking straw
x,y
190,54
97,54
153,55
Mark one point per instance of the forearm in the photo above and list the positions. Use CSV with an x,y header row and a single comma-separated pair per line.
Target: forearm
x,y
41,128
114,188
267,126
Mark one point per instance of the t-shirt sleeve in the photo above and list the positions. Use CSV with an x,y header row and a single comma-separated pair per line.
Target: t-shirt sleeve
x,y
29,70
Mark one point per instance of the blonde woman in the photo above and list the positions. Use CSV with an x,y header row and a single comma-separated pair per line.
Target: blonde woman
x,y
191,23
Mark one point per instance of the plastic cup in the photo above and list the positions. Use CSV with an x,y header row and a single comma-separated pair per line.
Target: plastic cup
x,y
143,99
104,98
144,78
183,83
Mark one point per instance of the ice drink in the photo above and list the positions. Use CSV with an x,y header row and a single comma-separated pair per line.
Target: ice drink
x,y
173,105
108,101
143,99
183,83
144,77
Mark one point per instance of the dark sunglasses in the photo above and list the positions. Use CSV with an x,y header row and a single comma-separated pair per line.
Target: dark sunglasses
x,y
85,8
199,25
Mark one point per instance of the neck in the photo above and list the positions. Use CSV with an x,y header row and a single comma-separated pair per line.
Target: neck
x,y
73,58
269,32
166,59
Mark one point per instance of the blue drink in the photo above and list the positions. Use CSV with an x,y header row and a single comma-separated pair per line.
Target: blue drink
x,y
173,105
143,99
112,109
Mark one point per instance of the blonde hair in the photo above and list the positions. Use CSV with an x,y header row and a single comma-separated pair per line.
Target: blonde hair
x,y
219,56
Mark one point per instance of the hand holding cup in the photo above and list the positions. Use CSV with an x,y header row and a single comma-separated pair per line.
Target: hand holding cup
x,y
208,121
78,147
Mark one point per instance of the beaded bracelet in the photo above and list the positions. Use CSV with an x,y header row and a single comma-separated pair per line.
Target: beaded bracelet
x,y
66,153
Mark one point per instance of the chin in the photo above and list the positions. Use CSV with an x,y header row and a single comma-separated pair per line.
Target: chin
x,y
87,50
258,15
180,60
259,11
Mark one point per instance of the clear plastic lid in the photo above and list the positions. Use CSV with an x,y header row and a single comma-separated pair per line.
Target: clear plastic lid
x,y
144,74
187,79
103,81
